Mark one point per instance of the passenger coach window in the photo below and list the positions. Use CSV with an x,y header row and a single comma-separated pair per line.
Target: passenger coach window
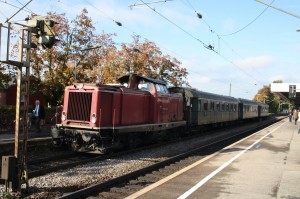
x,y
205,106
212,106
199,105
218,107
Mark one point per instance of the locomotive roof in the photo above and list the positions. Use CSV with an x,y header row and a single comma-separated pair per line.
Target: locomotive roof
x,y
125,79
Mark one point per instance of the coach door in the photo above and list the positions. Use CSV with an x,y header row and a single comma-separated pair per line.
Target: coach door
x,y
205,112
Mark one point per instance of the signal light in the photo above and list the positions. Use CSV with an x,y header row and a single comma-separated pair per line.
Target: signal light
x,y
292,91
43,29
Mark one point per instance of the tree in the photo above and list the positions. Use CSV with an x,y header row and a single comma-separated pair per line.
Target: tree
x,y
4,78
56,66
147,59
264,95
92,57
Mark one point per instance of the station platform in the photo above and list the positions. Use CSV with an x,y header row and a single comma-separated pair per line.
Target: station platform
x,y
265,165
10,137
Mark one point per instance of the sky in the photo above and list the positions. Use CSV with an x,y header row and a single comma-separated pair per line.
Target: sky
x,y
235,49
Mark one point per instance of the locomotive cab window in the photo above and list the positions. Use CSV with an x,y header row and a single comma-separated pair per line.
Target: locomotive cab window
x,y
145,86
161,88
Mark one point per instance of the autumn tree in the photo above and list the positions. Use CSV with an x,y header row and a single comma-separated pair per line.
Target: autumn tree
x,y
266,96
5,77
83,55
56,66
144,57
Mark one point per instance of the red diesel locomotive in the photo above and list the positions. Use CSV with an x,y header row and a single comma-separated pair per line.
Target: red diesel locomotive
x,y
141,110
100,117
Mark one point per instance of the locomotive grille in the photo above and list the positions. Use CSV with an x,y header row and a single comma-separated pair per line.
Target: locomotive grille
x,y
79,106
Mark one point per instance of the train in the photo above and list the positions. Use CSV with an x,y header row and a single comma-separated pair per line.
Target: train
x,y
141,110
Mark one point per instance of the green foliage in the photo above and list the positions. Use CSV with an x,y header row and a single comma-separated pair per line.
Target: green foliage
x,y
5,76
275,103
6,195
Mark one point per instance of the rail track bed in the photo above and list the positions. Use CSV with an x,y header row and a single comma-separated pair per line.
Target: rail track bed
x,y
107,176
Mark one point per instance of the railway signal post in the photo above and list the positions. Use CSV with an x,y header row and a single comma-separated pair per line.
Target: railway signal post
x,y
14,168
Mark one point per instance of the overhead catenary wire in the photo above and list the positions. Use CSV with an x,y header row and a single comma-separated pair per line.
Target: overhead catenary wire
x,y
209,47
251,22
25,8
154,2
205,45
7,20
188,4
15,6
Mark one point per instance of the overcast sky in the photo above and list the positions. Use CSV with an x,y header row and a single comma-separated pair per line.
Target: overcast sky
x,y
252,47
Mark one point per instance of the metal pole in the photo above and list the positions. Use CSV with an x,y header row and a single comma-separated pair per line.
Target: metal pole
x,y
26,83
18,97
18,107
75,70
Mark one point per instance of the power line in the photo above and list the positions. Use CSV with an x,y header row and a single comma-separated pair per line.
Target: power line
x,y
18,11
154,2
188,4
25,8
248,23
209,47
176,25
117,22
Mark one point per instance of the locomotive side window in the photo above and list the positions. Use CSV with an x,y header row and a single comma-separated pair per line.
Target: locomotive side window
x,y
161,88
223,107
145,86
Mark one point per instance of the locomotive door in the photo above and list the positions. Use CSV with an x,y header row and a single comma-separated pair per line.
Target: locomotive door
x,y
163,100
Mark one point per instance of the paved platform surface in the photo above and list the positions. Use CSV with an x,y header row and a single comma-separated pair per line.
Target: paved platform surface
x,y
7,137
265,165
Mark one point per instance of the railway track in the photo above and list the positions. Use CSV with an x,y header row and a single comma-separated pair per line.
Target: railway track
x,y
129,183
40,167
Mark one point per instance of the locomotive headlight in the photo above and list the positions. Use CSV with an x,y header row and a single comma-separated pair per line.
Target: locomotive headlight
x,y
81,86
94,118
63,116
